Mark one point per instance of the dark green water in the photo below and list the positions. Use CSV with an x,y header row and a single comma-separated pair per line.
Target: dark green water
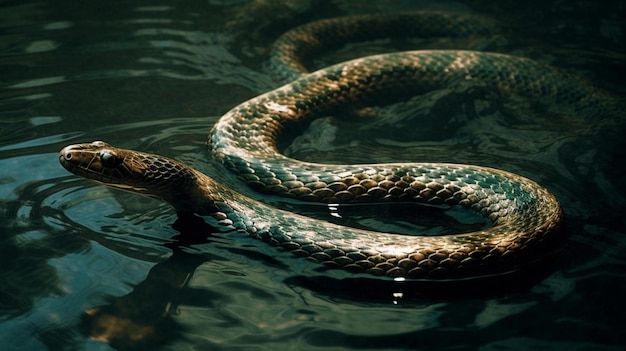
x,y
81,264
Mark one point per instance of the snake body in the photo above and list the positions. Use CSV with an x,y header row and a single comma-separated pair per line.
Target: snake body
x,y
525,217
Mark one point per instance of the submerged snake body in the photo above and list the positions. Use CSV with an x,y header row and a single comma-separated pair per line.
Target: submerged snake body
x,y
525,217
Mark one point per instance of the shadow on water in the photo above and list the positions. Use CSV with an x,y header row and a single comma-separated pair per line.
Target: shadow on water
x,y
143,318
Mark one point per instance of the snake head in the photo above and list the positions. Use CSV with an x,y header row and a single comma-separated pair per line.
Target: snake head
x,y
147,174
101,162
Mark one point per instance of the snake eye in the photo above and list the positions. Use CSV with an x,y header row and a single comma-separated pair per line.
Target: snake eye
x,y
107,158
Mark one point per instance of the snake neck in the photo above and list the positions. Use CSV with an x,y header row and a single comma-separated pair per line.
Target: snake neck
x,y
150,175
191,192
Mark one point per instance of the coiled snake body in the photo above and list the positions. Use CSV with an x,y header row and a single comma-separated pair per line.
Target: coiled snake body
x,y
525,217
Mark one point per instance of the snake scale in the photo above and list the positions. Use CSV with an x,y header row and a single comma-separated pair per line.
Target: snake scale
x,y
526,219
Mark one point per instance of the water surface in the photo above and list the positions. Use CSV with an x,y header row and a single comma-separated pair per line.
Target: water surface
x,y
86,267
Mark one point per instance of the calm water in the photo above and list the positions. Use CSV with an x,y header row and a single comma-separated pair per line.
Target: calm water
x,y
86,267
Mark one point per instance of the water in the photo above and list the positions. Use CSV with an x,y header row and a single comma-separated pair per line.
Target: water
x,y
86,267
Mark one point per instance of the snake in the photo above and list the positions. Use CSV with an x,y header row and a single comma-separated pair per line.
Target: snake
x,y
526,220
